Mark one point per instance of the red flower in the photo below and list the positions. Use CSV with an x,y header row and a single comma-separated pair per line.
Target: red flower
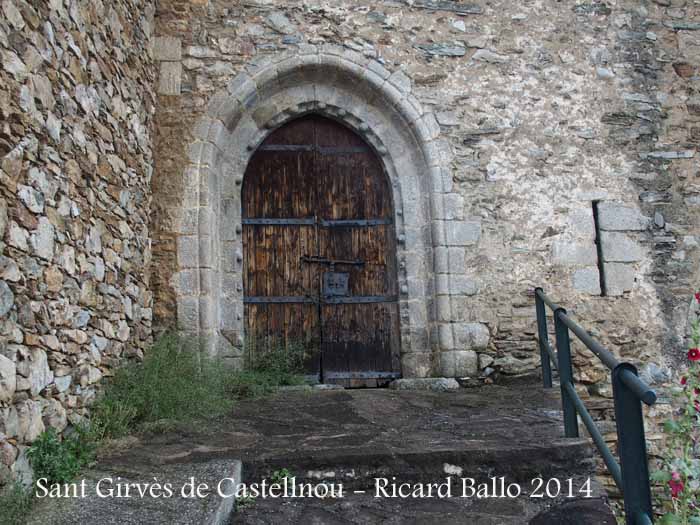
x,y
676,485
697,296
694,354
684,380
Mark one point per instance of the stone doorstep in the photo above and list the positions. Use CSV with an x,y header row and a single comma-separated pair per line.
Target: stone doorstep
x,y
212,510
434,384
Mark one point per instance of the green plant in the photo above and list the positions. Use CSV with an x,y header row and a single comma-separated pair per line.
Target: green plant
x,y
244,501
269,365
281,359
15,503
255,384
174,382
679,474
278,476
59,460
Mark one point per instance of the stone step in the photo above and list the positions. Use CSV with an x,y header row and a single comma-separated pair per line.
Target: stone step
x,y
365,509
358,468
353,437
111,496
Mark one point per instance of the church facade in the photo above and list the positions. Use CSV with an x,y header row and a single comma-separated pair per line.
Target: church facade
x,y
385,181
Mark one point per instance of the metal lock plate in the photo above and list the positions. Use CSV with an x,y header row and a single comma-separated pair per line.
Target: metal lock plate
x,y
335,284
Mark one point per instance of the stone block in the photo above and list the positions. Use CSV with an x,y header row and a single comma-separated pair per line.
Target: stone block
x,y
581,223
401,81
167,48
485,360
188,313
225,349
619,278
453,206
7,298
472,336
572,253
433,384
459,363
8,380
188,251
587,280
617,217
416,365
457,260
444,310
441,259
170,78
462,233
231,285
231,257
207,312
437,229
445,336
463,285
511,365
620,247
186,282
442,284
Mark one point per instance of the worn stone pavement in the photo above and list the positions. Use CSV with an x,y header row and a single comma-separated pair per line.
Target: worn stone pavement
x,y
353,436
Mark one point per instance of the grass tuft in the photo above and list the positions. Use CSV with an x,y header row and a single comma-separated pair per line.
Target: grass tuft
x,y
60,460
15,504
174,382
268,366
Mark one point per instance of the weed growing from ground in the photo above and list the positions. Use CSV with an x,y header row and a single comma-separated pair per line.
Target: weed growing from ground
x,y
175,382
15,503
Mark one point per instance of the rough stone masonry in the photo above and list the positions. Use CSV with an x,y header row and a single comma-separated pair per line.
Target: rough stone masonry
x,y
533,143
77,104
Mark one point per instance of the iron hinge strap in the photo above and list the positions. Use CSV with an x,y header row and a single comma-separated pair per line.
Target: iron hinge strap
x,y
300,299
311,221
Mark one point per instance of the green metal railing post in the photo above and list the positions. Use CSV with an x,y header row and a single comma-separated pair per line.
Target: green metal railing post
x,y
544,339
631,474
566,374
631,446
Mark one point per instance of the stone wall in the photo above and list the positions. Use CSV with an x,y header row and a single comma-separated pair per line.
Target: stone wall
x,y
555,144
544,111
77,104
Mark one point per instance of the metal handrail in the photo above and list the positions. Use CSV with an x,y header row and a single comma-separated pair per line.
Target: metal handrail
x,y
631,474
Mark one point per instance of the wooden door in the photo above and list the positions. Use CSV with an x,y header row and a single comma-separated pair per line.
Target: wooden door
x,y
319,252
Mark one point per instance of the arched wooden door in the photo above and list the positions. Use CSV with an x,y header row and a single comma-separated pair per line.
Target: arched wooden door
x,y
319,252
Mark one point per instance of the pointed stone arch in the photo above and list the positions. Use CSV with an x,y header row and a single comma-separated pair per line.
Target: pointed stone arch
x,y
378,105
